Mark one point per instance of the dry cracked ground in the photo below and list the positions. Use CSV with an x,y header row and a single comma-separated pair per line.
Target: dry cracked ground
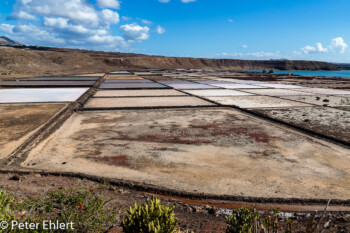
x,y
216,151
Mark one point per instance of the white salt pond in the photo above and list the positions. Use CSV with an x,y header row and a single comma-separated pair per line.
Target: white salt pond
x,y
40,95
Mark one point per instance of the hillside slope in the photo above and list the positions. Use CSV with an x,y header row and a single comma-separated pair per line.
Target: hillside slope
x,y
29,61
8,41
228,64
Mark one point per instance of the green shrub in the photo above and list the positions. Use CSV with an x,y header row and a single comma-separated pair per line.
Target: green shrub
x,y
241,221
83,207
6,208
150,218
271,223
248,221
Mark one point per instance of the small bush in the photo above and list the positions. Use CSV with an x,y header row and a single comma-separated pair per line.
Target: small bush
x,y
241,221
248,221
83,207
6,208
150,218
271,223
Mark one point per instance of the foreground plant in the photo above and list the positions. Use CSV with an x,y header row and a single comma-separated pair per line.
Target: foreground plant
x,y
244,220
153,217
271,223
83,207
7,203
241,221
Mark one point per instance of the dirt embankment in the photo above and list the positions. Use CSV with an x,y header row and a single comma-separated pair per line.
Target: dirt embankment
x,y
193,216
227,64
29,61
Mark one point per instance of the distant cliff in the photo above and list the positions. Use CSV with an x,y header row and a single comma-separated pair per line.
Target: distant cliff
x,y
342,66
30,60
201,63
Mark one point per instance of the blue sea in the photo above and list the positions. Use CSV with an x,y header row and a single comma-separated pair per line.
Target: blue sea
x,y
338,73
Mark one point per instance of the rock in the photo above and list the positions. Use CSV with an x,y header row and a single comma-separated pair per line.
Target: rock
x,y
37,175
347,217
340,218
123,191
112,188
15,178
115,229
342,229
212,211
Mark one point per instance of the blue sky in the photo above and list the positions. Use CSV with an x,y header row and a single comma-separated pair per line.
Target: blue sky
x,y
249,29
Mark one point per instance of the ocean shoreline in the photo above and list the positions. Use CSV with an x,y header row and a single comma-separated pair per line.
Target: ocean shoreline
x,y
312,73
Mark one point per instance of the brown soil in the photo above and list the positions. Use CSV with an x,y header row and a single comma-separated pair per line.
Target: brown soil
x,y
34,185
19,121
331,122
215,151
120,160
192,216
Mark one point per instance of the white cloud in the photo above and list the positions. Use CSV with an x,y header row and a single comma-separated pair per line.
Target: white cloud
x,y
320,48
7,28
337,46
134,32
164,1
244,46
160,30
21,15
317,49
65,34
56,22
309,49
230,20
78,11
110,16
25,1
32,32
70,22
62,26
147,22
126,18
113,4
108,41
